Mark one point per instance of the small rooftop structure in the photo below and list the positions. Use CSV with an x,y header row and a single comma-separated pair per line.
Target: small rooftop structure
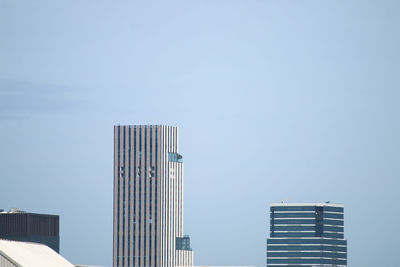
x,y
24,254
12,210
318,204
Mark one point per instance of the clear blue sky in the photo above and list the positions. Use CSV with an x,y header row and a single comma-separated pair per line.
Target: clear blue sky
x,y
275,100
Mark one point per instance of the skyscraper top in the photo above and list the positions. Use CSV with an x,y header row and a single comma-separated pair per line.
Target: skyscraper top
x,y
146,125
319,204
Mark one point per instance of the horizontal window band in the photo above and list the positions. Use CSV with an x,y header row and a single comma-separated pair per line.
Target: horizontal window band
x,y
306,241
318,208
328,213
306,258
306,234
316,247
305,228
343,253
306,215
277,228
295,224
329,255
310,261
302,265
306,248
333,232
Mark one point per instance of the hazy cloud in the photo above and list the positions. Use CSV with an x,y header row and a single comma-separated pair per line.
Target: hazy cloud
x,y
20,99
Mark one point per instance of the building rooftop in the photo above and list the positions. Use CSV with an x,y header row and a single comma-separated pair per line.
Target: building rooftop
x,y
19,211
25,254
320,204
12,210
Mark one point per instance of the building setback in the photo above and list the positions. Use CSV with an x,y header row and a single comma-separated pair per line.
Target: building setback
x,y
306,235
148,198
18,225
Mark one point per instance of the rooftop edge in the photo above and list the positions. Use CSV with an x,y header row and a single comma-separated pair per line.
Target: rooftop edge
x,y
318,204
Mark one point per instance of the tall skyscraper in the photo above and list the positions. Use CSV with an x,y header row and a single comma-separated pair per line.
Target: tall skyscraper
x,y
19,225
306,235
148,198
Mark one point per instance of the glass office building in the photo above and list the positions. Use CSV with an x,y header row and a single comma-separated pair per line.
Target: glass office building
x,y
306,235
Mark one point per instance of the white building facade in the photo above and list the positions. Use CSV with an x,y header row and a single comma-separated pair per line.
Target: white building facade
x,y
148,198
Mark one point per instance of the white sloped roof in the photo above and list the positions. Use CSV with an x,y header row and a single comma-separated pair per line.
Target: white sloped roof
x,y
32,254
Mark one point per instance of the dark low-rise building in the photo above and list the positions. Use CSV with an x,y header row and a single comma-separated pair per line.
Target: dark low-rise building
x,y
30,227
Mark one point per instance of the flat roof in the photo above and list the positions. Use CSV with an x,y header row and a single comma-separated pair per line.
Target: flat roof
x,y
28,214
19,211
318,204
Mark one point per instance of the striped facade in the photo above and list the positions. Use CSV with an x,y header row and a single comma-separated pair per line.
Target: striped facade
x,y
306,235
148,197
31,227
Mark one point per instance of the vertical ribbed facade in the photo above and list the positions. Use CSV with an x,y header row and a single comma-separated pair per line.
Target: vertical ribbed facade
x,y
148,196
306,235
31,227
